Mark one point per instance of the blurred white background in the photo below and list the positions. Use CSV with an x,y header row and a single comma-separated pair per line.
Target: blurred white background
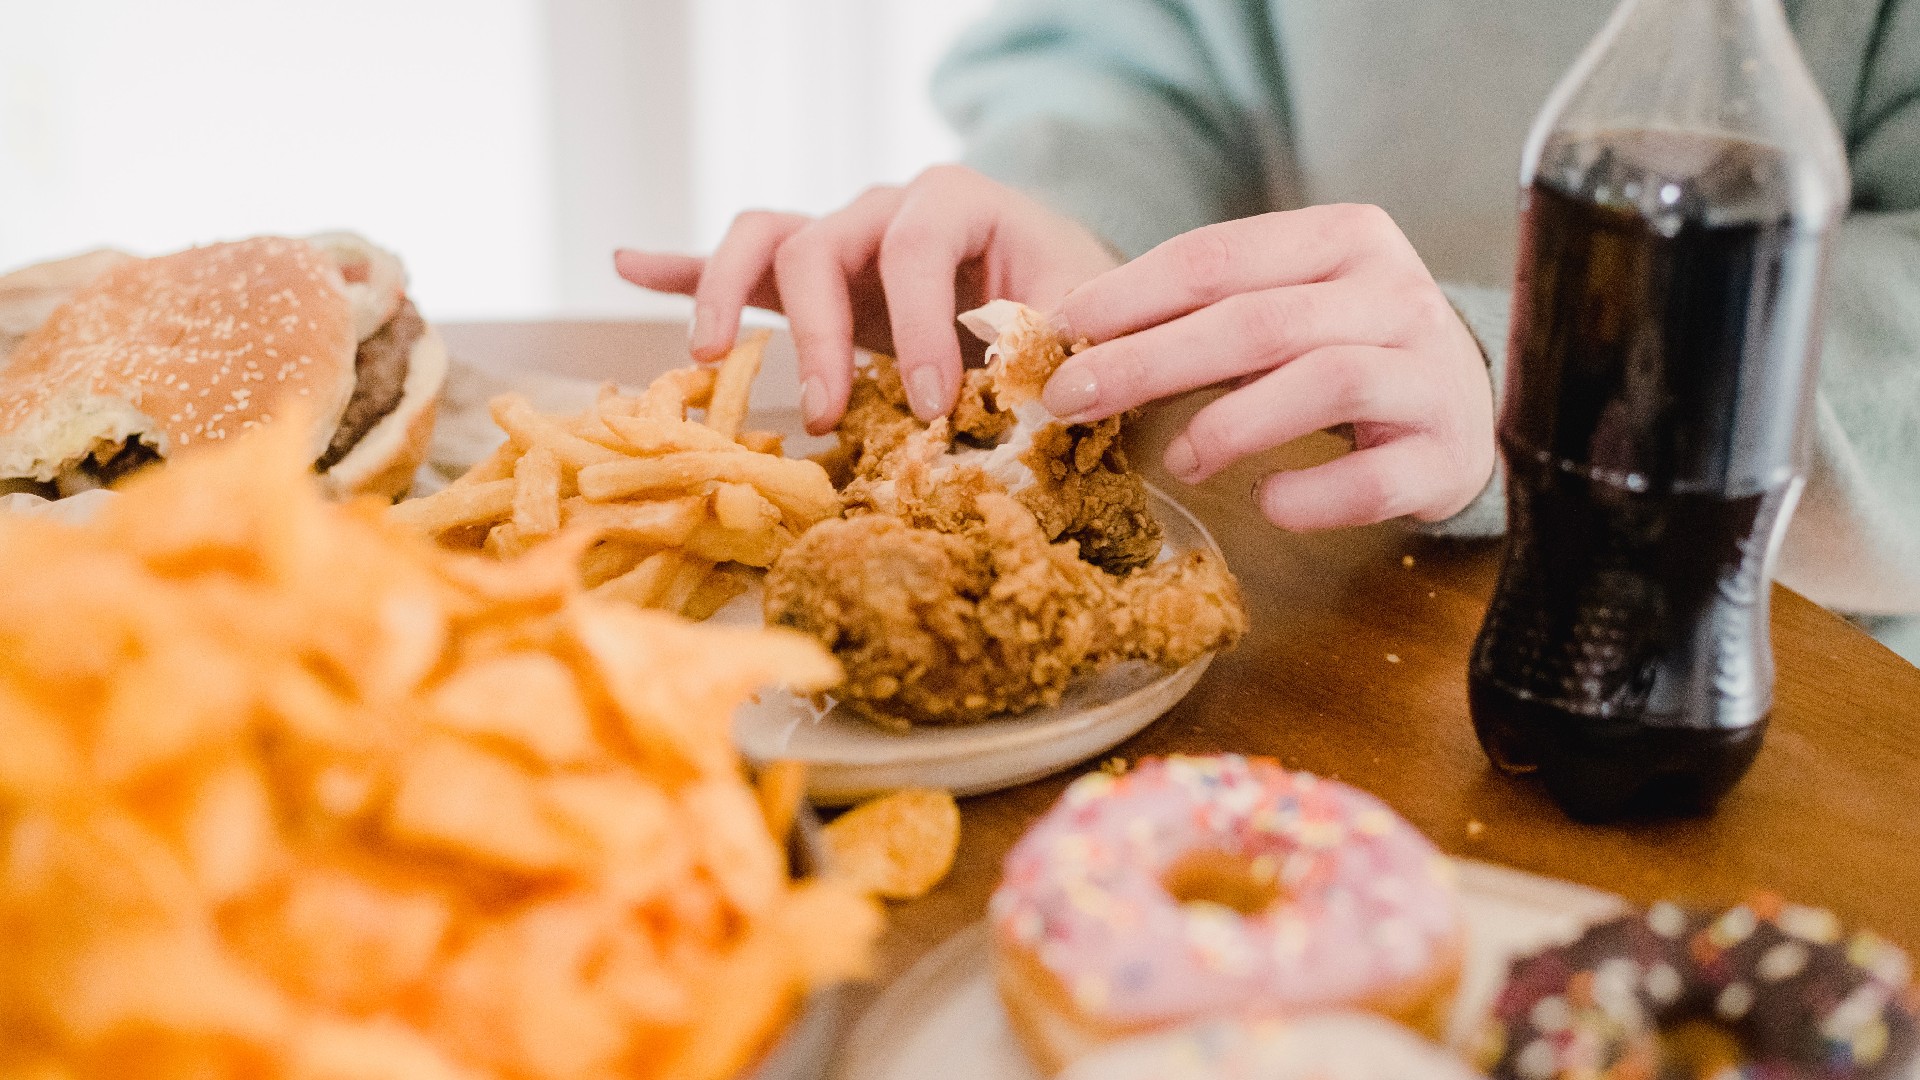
x,y
503,147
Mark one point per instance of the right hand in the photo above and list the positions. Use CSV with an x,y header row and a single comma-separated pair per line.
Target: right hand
x,y
889,272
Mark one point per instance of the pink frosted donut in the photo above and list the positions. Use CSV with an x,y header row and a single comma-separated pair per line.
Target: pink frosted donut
x,y
1218,887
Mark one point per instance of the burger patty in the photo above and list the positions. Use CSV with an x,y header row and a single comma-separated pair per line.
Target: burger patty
x,y
379,379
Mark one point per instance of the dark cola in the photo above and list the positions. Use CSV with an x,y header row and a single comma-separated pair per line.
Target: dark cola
x,y
1660,374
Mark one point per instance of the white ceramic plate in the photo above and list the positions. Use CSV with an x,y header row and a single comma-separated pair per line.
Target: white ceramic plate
x,y
943,1019
849,759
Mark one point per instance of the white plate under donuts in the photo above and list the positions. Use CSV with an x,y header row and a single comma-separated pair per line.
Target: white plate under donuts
x,y
942,1020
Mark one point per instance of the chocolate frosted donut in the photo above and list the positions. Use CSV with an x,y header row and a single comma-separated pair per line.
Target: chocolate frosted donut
x,y
1801,997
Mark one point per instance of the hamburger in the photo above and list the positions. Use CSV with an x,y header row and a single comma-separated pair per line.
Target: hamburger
x,y
153,358
31,294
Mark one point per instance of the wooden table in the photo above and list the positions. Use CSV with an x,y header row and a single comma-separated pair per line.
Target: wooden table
x,y
1355,669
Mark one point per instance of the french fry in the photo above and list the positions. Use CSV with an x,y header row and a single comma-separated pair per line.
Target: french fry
x,y
763,442
780,786
670,395
634,478
591,426
799,488
646,582
604,562
721,586
740,507
505,541
692,572
454,506
727,410
536,493
529,429
651,435
665,523
757,547
497,465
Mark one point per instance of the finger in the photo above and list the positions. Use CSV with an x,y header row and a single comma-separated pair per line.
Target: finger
x,y
1340,384
1377,484
812,269
1209,264
741,263
659,271
1241,334
943,222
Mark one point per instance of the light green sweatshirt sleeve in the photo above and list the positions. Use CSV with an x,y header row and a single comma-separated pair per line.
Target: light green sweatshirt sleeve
x,y
1146,118
1141,118
1855,545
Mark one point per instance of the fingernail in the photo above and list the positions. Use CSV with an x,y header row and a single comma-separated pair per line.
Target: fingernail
x,y
702,333
1181,461
813,401
1071,391
923,392
1058,325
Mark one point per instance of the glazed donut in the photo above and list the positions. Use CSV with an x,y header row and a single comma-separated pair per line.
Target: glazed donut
x,y
1328,1046
1193,888
1792,995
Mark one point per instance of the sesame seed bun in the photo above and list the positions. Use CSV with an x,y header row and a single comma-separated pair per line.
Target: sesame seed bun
x,y
189,349
31,294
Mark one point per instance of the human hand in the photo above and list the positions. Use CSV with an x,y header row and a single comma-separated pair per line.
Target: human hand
x,y
1319,317
888,272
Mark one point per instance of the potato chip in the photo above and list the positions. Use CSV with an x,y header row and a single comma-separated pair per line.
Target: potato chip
x,y
345,941
780,787
228,832
294,792
526,700
760,992
380,1049
822,923
898,846
463,801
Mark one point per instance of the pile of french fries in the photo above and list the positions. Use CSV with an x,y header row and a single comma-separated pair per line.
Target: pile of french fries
x,y
682,510
289,793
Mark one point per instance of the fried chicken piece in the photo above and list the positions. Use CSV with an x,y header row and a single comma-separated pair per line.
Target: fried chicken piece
x,y
957,627
1073,477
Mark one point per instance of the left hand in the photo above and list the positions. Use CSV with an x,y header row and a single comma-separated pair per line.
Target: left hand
x,y
1322,316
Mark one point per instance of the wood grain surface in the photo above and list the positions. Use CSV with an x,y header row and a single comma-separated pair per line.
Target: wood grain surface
x,y
1355,668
